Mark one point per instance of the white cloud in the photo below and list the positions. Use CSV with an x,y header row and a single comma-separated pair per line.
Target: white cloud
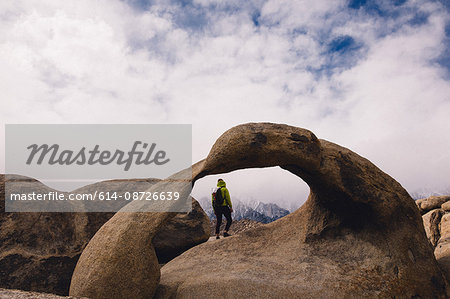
x,y
105,61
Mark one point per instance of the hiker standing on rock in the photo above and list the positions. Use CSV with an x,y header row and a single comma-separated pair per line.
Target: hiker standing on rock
x,y
221,203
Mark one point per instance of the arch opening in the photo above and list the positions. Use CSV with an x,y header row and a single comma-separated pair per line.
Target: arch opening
x,y
270,185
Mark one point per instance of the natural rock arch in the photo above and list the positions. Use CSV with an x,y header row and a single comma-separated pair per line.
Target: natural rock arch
x,y
358,234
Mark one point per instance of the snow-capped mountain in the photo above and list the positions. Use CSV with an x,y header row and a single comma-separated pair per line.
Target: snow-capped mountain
x,y
425,192
254,210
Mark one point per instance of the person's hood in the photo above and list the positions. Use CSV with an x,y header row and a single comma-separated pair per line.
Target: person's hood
x,y
221,184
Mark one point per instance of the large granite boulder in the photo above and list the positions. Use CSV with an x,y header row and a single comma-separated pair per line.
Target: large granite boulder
x,y
39,251
120,260
182,232
348,239
358,235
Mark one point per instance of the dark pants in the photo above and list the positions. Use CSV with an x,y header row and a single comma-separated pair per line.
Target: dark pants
x,y
225,211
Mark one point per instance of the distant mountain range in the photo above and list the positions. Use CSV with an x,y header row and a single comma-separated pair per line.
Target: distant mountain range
x,y
424,193
253,210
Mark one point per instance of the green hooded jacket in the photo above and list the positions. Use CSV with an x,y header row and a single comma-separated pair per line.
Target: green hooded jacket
x,y
225,194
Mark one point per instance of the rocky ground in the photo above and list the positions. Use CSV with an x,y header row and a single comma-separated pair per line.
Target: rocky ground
x,y
18,294
237,227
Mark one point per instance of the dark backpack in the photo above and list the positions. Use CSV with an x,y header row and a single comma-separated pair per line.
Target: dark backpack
x,y
218,198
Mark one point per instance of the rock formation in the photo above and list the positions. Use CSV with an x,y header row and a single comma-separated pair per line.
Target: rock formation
x,y
430,203
181,233
436,220
39,251
120,260
347,240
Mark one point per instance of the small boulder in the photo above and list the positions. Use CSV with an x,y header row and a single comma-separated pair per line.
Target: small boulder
x,y
444,226
446,206
432,202
431,221
442,250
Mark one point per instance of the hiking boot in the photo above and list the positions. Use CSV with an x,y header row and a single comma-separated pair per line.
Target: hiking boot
x,y
225,234
217,237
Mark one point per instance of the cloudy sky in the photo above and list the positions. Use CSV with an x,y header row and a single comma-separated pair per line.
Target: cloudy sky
x,y
372,76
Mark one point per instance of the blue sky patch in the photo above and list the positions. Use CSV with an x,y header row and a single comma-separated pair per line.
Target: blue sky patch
x,y
371,7
138,4
446,4
447,30
191,17
342,44
444,61
356,4
255,18
398,2
444,58
343,52
419,19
